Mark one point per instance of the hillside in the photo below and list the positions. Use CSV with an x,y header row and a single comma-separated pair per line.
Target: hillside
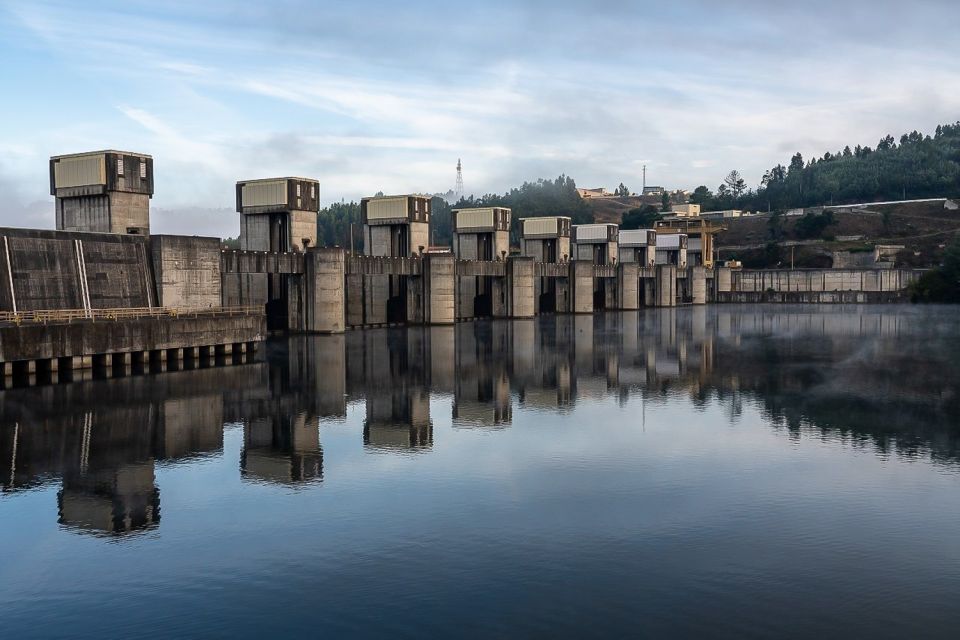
x,y
924,228
612,209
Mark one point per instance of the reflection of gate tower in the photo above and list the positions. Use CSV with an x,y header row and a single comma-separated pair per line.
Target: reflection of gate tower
x,y
397,391
282,449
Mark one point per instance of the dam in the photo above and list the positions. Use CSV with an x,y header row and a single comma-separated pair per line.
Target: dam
x,y
103,296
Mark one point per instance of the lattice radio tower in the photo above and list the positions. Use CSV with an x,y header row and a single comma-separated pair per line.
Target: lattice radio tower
x,y
458,189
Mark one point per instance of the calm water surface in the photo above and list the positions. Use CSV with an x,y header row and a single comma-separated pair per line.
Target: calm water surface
x,y
731,471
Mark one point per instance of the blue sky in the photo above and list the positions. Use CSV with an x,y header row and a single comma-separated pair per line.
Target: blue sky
x,y
369,96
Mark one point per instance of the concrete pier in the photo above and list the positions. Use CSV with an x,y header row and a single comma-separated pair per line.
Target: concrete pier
x,y
698,285
325,299
439,286
666,287
628,284
521,295
581,278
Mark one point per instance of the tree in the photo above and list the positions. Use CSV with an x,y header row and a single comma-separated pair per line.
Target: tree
x,y
644,217
775,227
701,196
812,225
796,162
887,216
943,283
921,166
622,191
723,193
735,183
665,202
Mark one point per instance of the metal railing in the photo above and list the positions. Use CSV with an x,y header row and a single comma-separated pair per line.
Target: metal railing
x,y
61,316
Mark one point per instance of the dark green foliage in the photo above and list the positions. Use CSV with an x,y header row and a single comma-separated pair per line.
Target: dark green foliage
x,y
775,226
772,253
941,284
812,225
231,243
641,218
701,196
918,167
665,202
532,199
333,225
623,191
441,223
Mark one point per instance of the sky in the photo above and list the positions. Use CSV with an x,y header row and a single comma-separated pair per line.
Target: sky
x,y
385,96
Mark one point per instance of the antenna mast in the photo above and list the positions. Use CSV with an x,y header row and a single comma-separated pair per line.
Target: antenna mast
x,y
644,179
458,190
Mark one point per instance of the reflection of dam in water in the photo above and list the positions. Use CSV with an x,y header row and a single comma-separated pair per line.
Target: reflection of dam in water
x,y
882,375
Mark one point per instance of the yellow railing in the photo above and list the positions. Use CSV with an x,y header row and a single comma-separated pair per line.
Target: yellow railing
x,y
59,316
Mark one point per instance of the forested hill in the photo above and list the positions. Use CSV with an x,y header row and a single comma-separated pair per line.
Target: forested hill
x,y
918,166
541,198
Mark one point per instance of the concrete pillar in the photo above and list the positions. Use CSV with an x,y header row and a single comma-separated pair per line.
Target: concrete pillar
x,y
648,292
666,285
520,290
466,297
628,283
439,282
581,285
355,299
723,280
698,284
326,304
499,297
562,291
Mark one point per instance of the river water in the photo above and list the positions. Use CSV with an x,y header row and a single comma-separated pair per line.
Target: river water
x,y
725,471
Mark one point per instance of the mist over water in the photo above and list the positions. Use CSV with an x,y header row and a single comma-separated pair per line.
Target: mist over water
x,y
724,471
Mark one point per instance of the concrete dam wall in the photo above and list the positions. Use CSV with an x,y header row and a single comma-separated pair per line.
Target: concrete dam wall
x,y
814,285
65,270
42,270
